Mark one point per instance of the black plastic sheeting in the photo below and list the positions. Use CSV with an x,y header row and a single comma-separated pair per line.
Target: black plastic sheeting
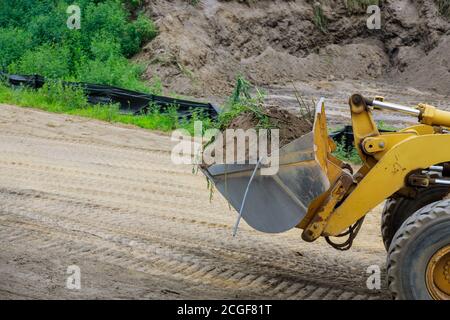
x,y
131,102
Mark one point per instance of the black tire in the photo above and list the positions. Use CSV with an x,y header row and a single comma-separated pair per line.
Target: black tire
x,y
417,240
397,210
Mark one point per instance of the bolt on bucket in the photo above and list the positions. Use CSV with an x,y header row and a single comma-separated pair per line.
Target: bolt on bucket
x,y
279,202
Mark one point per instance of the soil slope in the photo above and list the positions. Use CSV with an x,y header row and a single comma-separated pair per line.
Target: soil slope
x,y
201,48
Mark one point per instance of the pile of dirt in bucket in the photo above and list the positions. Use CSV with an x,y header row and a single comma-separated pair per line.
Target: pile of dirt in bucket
x,y
290,126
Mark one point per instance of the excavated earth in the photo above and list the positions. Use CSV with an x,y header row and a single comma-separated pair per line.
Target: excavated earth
x,y
290,125
108,199
201,48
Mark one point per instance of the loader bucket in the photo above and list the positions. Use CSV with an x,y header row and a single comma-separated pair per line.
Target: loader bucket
x,y
277,203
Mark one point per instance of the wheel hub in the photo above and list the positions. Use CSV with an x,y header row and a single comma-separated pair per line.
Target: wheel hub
x,y
438,274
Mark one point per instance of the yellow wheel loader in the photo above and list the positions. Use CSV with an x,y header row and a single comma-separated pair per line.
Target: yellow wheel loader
x,y
316,192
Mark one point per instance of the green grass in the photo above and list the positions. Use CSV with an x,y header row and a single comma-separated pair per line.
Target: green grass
x,y
56,98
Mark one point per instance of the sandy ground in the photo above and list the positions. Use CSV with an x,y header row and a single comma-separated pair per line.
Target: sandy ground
x,y
107,198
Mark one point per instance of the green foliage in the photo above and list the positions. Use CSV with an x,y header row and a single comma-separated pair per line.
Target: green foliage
x,y
69,98
34,38
342,154
13,44
102,48
109,18
241,91
156,86
241,101
47,60
140,31
133,3
52,97
33,33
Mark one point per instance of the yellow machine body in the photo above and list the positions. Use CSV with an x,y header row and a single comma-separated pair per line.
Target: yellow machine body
x,y
388,160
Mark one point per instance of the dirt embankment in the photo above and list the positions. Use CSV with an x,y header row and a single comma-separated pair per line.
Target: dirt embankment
x,y
201,48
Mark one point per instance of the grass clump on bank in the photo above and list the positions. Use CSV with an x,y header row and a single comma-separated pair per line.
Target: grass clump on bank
x,y
319,18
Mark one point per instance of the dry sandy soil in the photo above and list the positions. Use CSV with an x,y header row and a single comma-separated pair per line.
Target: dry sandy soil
x,y
201,48
107,198
337,93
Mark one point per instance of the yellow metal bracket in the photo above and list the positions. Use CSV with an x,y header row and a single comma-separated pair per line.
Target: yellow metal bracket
x,y
322,212
388,176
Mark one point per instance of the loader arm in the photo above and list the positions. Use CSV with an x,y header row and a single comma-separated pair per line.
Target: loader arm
x,y
388,161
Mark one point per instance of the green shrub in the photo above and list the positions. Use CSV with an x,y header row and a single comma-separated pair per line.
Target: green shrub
x,y
107,36
140,31
52,97
13,44
69,98
48,28
111,19
116,71
103,48
47,60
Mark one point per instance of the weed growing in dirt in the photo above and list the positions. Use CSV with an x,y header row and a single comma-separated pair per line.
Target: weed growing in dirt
x,y
242,101
319,18
306,109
